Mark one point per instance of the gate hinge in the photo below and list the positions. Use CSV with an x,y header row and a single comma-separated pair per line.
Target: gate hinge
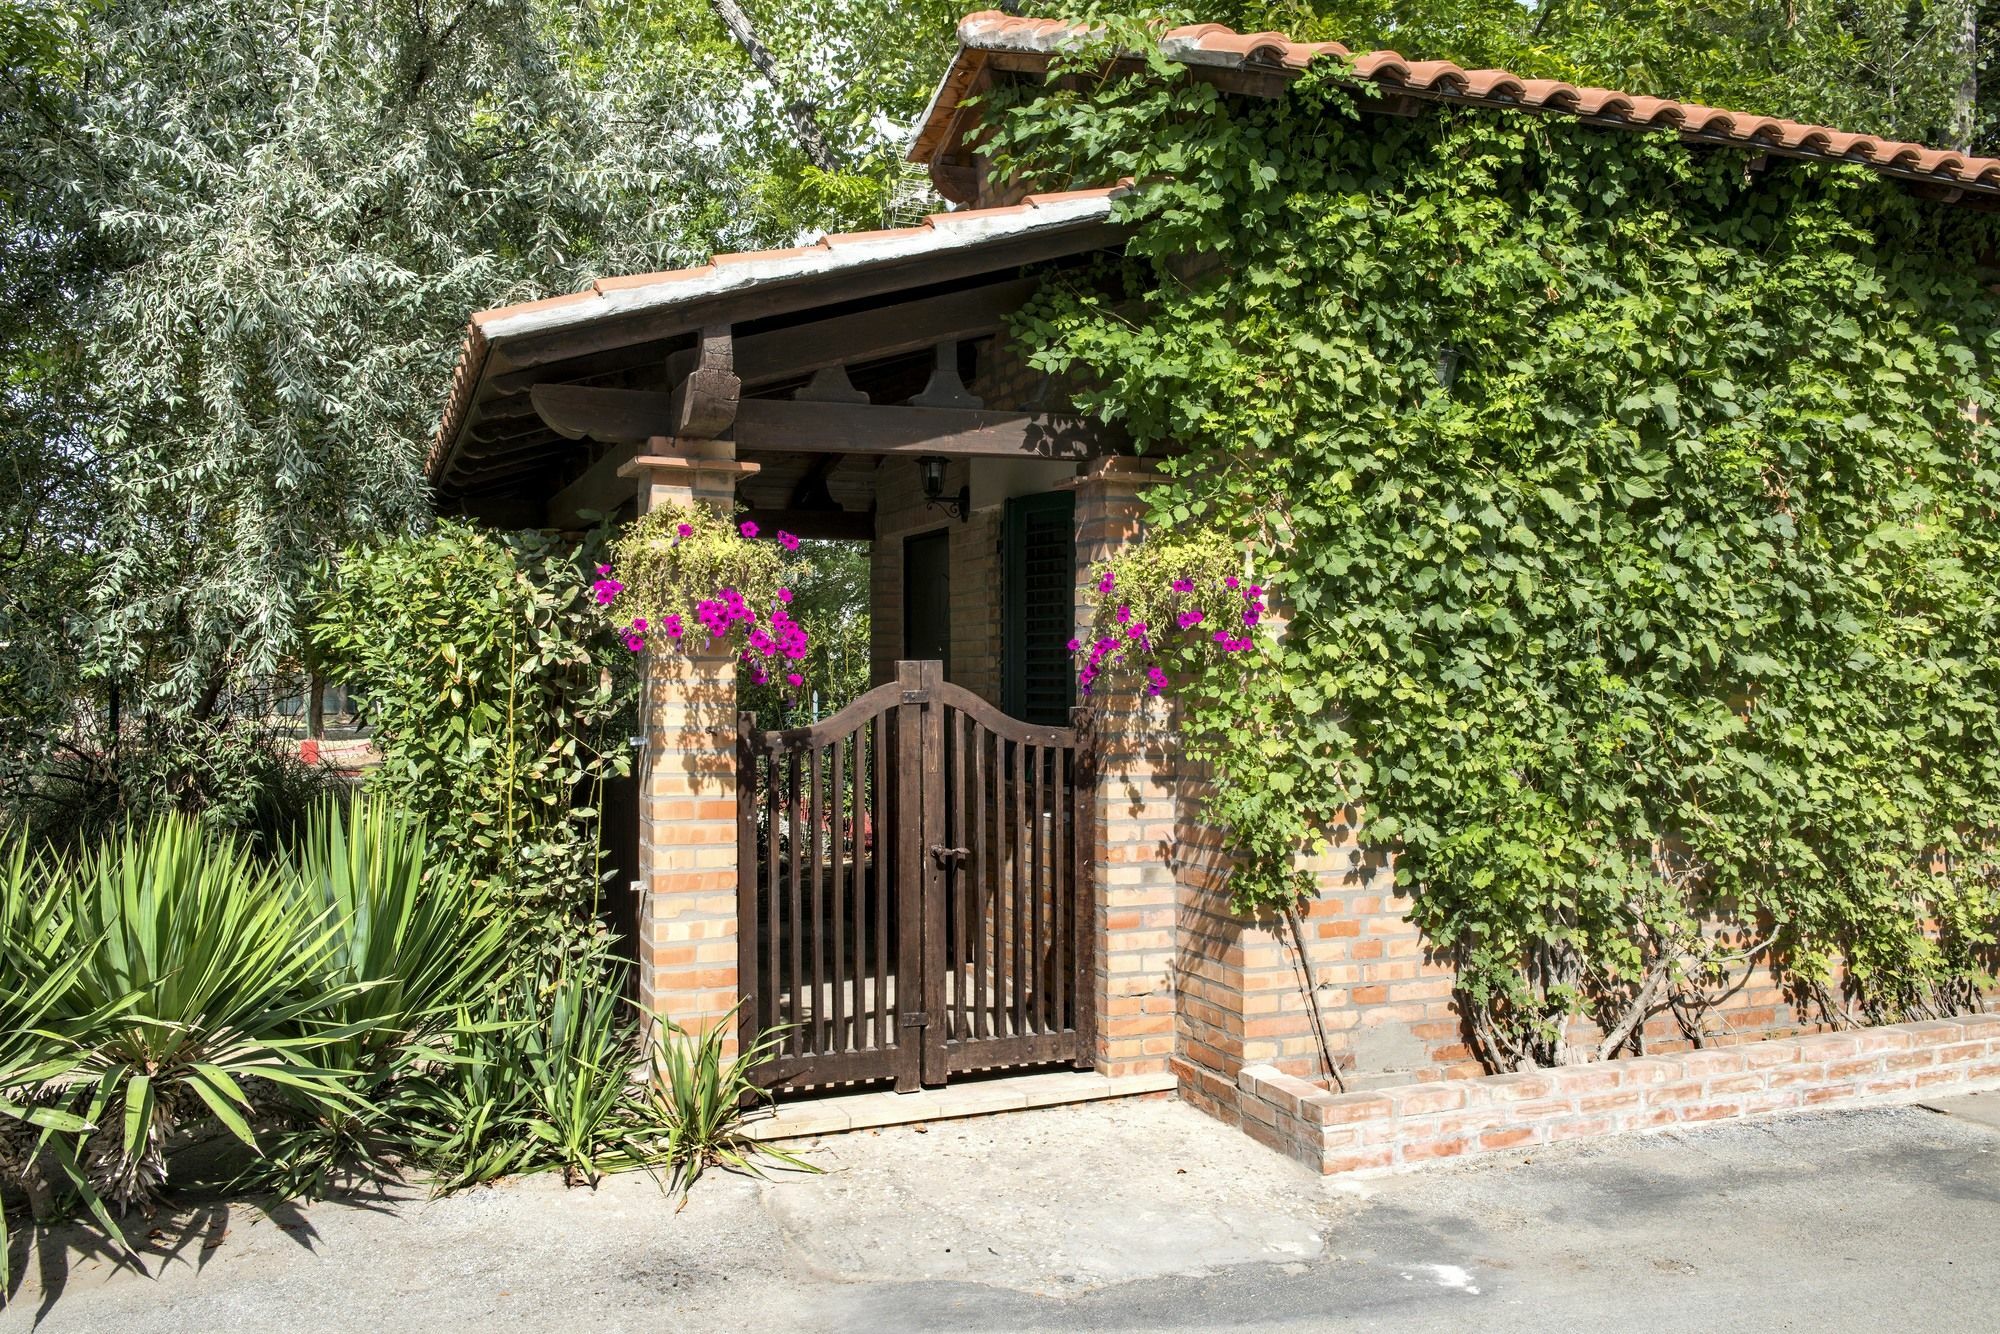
x,y
916,1019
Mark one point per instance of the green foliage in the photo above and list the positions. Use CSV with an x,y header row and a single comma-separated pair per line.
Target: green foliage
x,y
1634,511
195,977
412,938
698,1100
667,571
544,1080
829,583
1905,70
500,701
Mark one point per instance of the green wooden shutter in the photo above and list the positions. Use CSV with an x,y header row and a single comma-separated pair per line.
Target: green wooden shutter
x,y
1038,679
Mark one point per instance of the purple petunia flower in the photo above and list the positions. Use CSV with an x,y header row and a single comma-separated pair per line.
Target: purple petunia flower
x,y
1188,620
686,530
794,680
747,528
1104,584
1184,585
787,541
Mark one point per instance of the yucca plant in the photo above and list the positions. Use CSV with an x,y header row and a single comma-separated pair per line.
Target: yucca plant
x,y
538,1081
580,1064
37,969
196,971
412,940
699,1103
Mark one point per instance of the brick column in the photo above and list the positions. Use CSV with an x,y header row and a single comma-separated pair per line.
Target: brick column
x,y
1132,834
687,779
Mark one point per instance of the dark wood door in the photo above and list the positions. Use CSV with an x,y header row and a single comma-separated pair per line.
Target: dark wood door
x,y
912,891
927,597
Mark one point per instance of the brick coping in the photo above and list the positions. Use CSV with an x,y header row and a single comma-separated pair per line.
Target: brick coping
x,y
1410,1125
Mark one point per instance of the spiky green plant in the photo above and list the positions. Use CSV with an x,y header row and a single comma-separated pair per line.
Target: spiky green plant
x,y
195,972
580,1065
539,1080
37,969
412,939
701,1103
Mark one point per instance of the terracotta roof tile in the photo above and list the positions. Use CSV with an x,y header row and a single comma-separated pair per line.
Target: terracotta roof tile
x,y
1212,43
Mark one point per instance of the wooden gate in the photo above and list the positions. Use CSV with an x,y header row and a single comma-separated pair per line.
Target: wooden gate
x,y
912,897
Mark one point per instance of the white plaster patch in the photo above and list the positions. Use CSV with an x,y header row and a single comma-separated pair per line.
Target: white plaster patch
x,y
1445,1276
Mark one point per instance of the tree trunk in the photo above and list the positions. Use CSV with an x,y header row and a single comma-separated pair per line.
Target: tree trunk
x,y
1965,109
800,111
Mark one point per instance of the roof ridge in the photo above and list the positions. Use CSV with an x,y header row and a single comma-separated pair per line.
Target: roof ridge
x,y
1216,45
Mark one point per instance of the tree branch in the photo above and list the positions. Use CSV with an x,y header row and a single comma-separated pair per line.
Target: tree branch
x,y
800,111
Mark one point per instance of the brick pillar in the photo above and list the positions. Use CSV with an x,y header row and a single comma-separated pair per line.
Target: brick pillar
x,y
1132,833
687,779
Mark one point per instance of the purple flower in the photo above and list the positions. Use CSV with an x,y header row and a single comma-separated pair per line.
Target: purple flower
x,y
685,530
794,680
747,528
604,590
1137,632
1104,584
784,595
673,627
1124,615
604,569
1188,620
1074,645
639,624
634,642
1183,585
787,541
1156,680
1249,616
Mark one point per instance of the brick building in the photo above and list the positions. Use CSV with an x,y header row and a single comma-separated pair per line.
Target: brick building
x,y
993,882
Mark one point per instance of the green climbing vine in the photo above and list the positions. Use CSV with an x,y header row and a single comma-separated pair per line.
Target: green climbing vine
x,y
1633,510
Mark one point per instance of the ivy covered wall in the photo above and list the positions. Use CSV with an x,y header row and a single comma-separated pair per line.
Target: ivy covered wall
x,y
1634,508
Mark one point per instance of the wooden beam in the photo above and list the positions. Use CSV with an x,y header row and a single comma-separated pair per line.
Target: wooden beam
x,y
888,331
789,426
771,425
832,525
580,411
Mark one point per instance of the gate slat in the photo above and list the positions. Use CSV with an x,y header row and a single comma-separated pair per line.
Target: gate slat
x,y
1039,904
1018,977
802,1039
838,1040
1059,997
982,990
879,873
774,917
822,1040
960,879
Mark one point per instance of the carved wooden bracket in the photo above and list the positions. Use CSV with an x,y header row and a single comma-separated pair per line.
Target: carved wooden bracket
x,y
705,402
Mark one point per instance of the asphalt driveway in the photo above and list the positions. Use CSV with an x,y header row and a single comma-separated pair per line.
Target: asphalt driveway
x,y
1118,1216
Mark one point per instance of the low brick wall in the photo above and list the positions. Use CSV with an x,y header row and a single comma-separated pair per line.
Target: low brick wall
x,y
1398,1128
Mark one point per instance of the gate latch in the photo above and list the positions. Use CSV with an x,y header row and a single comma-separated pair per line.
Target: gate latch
x,y
948,856
916,1019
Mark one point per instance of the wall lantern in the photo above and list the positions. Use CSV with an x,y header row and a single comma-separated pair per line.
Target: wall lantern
x,y
959,506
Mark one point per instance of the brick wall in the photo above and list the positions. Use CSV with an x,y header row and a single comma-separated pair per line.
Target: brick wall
x,y
686,915
1385,998
1403,1127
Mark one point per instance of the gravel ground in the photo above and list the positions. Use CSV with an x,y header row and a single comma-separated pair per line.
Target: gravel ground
x,y
1135,1215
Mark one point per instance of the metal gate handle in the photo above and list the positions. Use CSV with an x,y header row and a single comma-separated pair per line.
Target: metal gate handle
x,y
946,856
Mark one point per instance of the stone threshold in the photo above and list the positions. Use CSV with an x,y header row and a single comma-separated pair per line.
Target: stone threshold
x,y
1013,1093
